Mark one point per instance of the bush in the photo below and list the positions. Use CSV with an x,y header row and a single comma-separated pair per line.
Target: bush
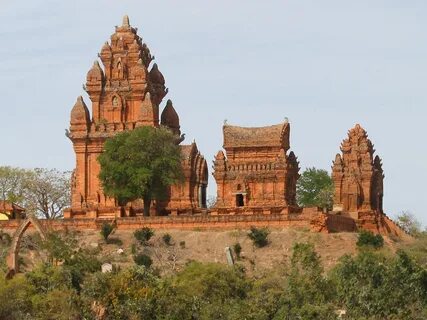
x,y
106,230
182,244
5,238
259,236
116,241
368,239
143,235
237,248
167,238
133,248
143,260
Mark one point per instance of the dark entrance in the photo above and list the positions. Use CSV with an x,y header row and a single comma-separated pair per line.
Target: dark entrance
x,y
202,196
240,201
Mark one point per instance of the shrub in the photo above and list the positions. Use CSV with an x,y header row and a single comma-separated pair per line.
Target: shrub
x,y
237,249
116,241
133,248
143,260
106,230
5,238
182,244
167,238
368,239
143,235
259,236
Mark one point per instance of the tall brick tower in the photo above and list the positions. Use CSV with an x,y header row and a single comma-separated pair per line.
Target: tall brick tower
x,y
125,93
358,175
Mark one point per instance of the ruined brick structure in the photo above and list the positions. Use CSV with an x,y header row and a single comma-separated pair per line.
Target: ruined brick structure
x,y
256,171
125,93
256,174
357,175
358,179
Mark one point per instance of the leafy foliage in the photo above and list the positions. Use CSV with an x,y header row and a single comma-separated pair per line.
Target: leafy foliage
x,y
12,182
144,235
106,230
369,286
259,236
237,248
368,239
140,164
143,260
315,189
310,293
409,223
167,238
44,192
5,238
47,192
373,287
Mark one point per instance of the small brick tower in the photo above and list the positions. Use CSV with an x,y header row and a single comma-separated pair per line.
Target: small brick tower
x,y
357,175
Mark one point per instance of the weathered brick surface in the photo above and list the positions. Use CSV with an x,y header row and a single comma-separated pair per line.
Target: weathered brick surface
x,y
256,170
358,176
125,94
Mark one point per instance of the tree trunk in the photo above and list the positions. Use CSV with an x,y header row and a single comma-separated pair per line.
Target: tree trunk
x,y
147,205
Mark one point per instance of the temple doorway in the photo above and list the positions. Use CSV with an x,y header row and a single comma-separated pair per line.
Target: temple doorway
x,y
240,201
202,196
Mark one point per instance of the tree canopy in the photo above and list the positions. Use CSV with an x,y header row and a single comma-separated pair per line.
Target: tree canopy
x,y
407,221
43,192
315,188
140,164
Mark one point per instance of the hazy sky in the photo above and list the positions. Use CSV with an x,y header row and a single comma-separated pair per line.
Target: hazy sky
x,y
326,65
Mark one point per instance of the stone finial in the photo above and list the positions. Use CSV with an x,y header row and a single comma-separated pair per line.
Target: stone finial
x,y
156,76
125,22
220,155
170,118
80,112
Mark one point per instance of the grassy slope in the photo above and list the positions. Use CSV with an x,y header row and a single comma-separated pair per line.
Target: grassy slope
x,y
209,246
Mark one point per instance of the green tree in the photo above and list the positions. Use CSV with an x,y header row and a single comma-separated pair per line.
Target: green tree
x,y
371,286
12,182
47,192
140,164
315,188
259,236
106,230
309,291
143,260
15,298
126,294
203,291
44,192
409,223
368,239
143,235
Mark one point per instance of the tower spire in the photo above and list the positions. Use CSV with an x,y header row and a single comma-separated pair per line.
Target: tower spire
x,y
125,22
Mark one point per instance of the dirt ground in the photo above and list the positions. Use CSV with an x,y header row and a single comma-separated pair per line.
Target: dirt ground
x,y
208,246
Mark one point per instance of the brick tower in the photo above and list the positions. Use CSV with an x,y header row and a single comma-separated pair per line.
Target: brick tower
x,y
256,173
125,93
358,175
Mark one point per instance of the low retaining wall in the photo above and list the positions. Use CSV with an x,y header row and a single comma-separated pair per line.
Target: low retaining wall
x,y
310,218
173,222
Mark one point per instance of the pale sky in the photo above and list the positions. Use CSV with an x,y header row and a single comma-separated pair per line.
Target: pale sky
x,y
326,65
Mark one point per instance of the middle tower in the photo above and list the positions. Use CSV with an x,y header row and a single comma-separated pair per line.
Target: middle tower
x,y
256,172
